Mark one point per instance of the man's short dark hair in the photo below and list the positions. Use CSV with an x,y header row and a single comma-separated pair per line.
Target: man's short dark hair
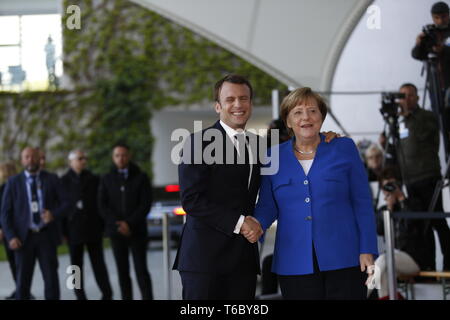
x,y
409,85
121,145
232,78
439,8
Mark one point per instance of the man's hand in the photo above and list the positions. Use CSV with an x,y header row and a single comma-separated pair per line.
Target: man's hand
x,y
391,200
438,48
420,38
330,135
393,197
15,244
47,216
251,229
123,228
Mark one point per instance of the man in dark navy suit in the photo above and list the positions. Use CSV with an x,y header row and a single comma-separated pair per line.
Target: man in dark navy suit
x,y
214,259
32,204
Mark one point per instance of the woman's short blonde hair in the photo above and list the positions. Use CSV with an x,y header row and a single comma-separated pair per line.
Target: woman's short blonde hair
x,y
7,169
296,97
373,149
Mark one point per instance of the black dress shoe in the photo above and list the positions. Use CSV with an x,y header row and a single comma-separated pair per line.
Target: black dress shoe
x,y
12,296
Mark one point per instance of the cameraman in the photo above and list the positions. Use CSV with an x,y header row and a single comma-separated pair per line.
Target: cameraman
x,y
418,158
414,239
434,39
413,236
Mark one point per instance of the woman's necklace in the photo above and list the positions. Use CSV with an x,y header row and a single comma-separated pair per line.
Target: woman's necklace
x,y
303,152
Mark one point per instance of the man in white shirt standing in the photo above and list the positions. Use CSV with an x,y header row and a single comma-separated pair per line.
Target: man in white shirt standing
x,y
214,259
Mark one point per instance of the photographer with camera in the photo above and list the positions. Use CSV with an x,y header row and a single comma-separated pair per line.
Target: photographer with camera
x,y
413,236
414,239
434,39
417,155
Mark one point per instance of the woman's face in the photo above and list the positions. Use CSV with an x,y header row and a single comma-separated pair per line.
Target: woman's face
x,y
305,119
375,160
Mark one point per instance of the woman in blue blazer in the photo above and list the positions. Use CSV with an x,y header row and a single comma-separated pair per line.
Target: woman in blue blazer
x,y
326,234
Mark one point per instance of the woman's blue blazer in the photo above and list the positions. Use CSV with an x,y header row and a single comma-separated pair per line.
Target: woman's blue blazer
x,y
330,208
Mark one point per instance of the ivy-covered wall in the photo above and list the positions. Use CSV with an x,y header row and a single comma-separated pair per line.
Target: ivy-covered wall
x,y
124,63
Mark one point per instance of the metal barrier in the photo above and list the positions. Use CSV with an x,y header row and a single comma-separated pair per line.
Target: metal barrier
x,y
166,237
389,239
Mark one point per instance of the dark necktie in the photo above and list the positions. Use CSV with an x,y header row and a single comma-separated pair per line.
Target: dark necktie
x,y
243,146
35,200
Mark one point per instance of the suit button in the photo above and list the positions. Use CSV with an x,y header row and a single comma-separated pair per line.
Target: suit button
x,y
307,200
305,182
308,218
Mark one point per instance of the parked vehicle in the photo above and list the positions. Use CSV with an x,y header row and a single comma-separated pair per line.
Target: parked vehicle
x,y
170,205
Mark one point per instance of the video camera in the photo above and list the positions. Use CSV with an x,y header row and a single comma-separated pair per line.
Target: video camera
x,y
389,104
390,187
430,40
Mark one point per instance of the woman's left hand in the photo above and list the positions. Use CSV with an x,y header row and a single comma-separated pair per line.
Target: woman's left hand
x,y
365,260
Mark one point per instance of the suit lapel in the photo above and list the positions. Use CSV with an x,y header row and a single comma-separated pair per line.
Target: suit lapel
x,y
42,178
23,186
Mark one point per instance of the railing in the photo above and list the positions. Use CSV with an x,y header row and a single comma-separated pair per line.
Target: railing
x,y
389,239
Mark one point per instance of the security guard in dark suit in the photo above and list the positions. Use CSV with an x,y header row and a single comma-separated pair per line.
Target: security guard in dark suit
x,y
83,226
124,200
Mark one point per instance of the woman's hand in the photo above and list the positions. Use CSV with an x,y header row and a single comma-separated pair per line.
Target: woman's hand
x,y
366,260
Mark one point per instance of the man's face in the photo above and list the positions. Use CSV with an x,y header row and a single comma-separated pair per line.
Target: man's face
x,y
30,159
79,162
441,20
121,157
409,103
235,105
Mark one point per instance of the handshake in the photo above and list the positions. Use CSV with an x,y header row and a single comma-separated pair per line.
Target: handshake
x,y
251,229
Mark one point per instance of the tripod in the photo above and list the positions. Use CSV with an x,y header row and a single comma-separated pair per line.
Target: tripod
x,y
433,85
393,136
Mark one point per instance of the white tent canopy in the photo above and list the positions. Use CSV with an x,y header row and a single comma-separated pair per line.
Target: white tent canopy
x,y
296,41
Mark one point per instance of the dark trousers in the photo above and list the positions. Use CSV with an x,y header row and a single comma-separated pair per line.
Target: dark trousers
x,y
423,191
269,280
11,259
138,245
95,251
38,246
341,284
208,286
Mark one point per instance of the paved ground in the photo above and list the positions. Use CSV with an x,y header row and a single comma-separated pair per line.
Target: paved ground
x,y
155,263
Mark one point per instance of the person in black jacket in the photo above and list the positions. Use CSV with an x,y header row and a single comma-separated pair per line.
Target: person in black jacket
x,y
125,198
435,41
83,225
413,236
